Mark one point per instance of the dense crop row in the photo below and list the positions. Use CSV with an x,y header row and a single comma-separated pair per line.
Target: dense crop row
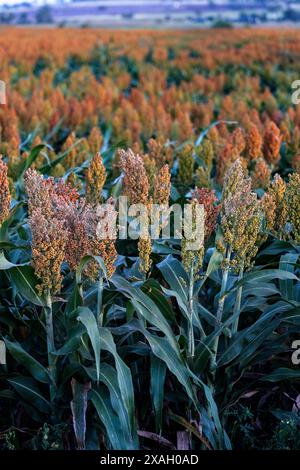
x,y
130,344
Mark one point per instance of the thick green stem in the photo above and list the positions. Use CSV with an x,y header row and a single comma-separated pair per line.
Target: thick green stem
x,y
50,346
99,302
223,287
237,305
234,329
191,340
219,315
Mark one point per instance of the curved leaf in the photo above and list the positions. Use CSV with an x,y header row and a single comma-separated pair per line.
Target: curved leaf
x,y
36,369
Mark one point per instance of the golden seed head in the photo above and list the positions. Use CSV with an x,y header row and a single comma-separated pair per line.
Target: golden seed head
x,y
194,233
95,140
162,186
240,216
261,175
208,198
5,197
186,164
206,153
136,183
145,250
292,204
95,179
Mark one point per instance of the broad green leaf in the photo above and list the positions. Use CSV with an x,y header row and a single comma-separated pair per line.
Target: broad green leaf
x,y
239,341
214,263
162,349
153,289
33,155
123,375
157,383
282,373
108,376
22,357
28,389
88,319
175,275
109,420
265,275
71,345
74,300
147,308
287,263
5,264
25,281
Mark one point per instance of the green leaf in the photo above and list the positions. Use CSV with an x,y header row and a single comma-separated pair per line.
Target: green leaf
x,y
33,154
175,275
28,389
265,275
5,264
25,281
287,263
253,334
147,308
72,343
109,419
282,373
74,300
109,377
158,375
214,263
153,290
36,369
123,375
88,319
162,349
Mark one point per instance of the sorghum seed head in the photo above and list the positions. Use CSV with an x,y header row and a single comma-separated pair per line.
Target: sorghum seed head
x,y
95,179
261,175
253,143
135,183
272,143
162,186
5,197
208,198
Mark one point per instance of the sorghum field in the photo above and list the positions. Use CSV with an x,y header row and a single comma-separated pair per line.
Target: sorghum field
x,y
146,343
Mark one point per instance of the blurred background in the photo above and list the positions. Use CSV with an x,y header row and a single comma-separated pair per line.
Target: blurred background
x,y
152,13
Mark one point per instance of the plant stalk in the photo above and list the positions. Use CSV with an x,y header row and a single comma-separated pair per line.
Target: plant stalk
x,y
191,339
99,302
223,287
237,305
219,315
50,346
